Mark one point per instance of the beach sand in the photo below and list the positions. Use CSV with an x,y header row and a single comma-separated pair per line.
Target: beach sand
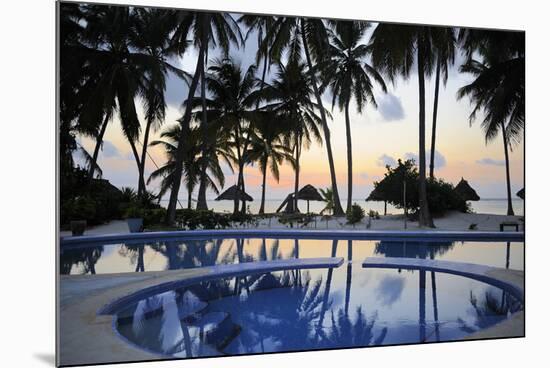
x,y
452,221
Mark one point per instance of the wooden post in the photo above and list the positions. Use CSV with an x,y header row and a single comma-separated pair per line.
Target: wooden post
x,y
405,203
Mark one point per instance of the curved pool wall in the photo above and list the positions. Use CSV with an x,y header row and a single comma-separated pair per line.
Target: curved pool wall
x,y
469,270
223,271
417,235
482,274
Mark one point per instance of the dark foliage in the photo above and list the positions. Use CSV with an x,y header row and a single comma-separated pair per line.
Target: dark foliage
x,y
441,197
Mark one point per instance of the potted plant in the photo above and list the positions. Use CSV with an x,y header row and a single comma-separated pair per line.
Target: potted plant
x,y
82,209
134,217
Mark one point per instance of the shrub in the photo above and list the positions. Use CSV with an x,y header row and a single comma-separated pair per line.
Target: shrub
x,y
154,217
374,214
441,196
355,214
134,211
80,208
195,219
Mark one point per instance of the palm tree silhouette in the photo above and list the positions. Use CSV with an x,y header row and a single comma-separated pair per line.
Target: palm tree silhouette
x,y
445,45
348,77
309,35
288,96
230,105
191,159
498,90
206,29
267,147
394,49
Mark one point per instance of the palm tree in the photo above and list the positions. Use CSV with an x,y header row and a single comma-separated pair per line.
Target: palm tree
x,y
348,76
230,105
117,72
192,160
262,25
295,35
150,34
206,29
395,48
268,148
445,45
498,90
328,198
288,96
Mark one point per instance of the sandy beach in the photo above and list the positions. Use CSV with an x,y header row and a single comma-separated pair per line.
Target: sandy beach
x,y
453,221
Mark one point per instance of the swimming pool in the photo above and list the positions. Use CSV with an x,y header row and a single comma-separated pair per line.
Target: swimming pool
x,y
172,254
343,305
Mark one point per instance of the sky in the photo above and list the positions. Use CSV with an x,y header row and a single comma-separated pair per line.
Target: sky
x,y
379,137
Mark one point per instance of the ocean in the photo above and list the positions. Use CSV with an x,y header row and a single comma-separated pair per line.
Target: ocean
x,y
497,206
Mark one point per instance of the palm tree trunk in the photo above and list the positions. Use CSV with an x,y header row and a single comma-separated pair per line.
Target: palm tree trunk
x,y
178,170
245,148
264,174
424,218
241,165
141,181
143,157
297,145
336,197
99,142
350,164
189,198
434,121
510,211
201,198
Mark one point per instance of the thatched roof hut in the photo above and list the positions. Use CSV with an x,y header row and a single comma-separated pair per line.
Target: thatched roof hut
x,y
233,193
309,193
521,193
465,191
377,196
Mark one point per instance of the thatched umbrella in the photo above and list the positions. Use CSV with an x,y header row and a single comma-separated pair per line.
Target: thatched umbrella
x,y
377,196
521,193
234,193
309,193
465,191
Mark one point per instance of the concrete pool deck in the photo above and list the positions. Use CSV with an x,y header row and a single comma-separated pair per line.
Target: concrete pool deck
x,y
413,235
86,335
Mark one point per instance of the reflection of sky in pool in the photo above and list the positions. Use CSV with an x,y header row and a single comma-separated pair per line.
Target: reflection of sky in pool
x,y
317,309
181,254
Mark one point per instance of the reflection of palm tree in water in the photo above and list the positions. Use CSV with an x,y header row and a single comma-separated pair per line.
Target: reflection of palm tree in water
x,y
348,276
344,332
489,311
87,257
136,253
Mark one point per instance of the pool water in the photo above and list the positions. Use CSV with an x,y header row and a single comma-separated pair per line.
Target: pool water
x,y
184,254
347,306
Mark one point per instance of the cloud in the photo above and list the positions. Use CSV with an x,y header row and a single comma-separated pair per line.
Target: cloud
x,y
439,160
490,161
109,150
390,107
386,160
390,289
364,175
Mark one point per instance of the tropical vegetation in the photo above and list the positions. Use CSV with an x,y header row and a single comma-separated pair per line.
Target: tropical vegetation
x,y
116,62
